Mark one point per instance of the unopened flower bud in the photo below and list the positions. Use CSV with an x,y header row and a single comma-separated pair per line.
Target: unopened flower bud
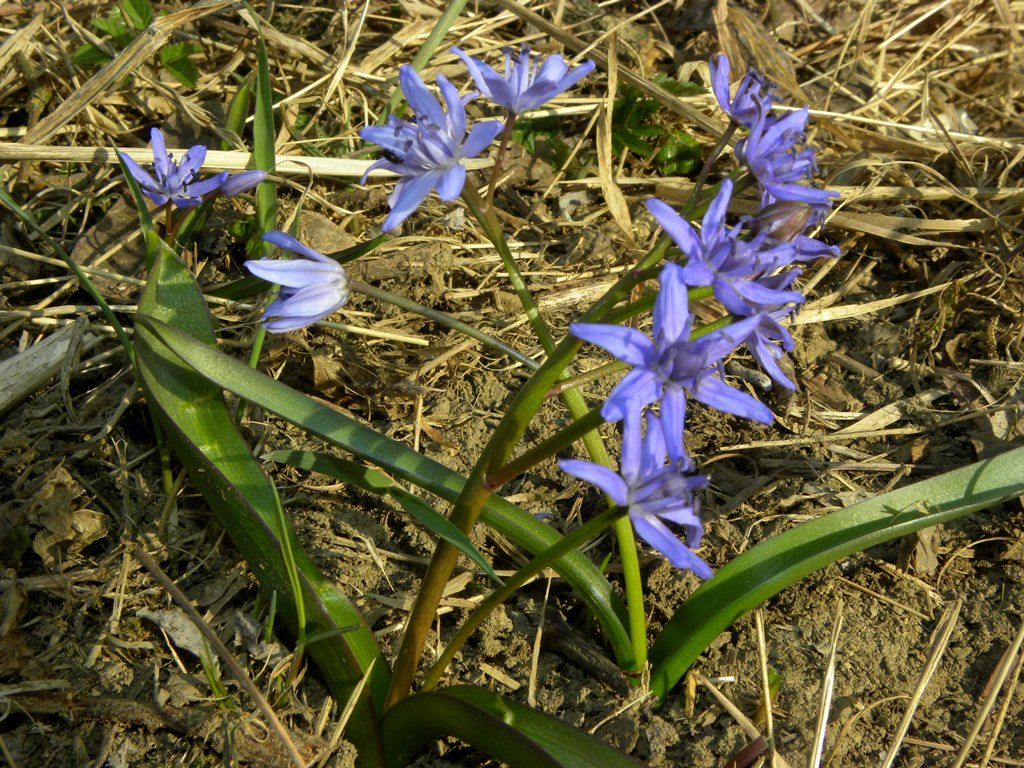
x,y
782,221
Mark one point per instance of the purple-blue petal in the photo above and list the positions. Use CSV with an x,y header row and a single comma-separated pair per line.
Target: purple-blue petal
x,y
289,243
595,474
712,391
627,344
423,103
449,186
409,192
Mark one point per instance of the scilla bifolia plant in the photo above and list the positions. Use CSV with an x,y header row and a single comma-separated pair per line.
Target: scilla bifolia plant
x,y
749,264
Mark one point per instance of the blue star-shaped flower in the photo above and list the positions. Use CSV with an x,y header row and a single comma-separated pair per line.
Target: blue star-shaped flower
x,y
176,182
671,366
525,85
427,154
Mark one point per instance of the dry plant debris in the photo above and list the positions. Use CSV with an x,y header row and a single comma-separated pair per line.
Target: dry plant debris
x,y
910,362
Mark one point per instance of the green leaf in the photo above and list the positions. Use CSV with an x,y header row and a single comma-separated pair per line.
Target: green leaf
x,y
139,12
113,25
202,432
264,155
364,478
238,111
401,461
442,527
175,60
499,727
88,55
771,566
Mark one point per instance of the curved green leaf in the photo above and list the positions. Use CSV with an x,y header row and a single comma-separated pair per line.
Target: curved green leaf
x,y
771,566
376,482
499,727
506,518
202,432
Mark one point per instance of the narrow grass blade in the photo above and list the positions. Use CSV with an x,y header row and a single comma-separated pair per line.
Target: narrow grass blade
x,y
202,433
402,462
499,727
376,482
771,566
264,155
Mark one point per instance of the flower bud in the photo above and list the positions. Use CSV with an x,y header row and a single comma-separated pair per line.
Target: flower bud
x,y
782,221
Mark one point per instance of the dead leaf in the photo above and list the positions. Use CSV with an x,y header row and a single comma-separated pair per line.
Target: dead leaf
x,y
919,552
616,201
748,44
181,631
68,527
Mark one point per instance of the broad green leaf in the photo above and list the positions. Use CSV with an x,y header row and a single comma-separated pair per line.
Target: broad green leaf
x,y
499,727
175,58
139,12
88,55
402,462
203,435
771,566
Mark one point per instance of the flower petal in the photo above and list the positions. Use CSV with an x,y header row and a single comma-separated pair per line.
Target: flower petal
x,y
409,192
449,186
480,137
627,344
423,104
289,243
596,474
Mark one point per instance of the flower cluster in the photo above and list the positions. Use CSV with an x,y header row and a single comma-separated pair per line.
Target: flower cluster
x,y
427,153
176,182
775,149
749,267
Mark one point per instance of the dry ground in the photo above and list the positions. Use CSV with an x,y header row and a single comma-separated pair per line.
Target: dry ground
x,y
913,341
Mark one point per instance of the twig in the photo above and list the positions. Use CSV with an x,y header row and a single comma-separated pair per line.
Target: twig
x,y
222,650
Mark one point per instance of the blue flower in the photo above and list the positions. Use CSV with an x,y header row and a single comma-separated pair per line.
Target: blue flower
x,y
776,153
428,153
672,366
174,181
177,181
525,85
654,492
754,95
311,288
719,257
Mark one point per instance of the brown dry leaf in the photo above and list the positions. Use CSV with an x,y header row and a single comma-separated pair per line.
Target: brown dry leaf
x,y
67,528
326,374
919,552
12,609
613,196
114,244
748,44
